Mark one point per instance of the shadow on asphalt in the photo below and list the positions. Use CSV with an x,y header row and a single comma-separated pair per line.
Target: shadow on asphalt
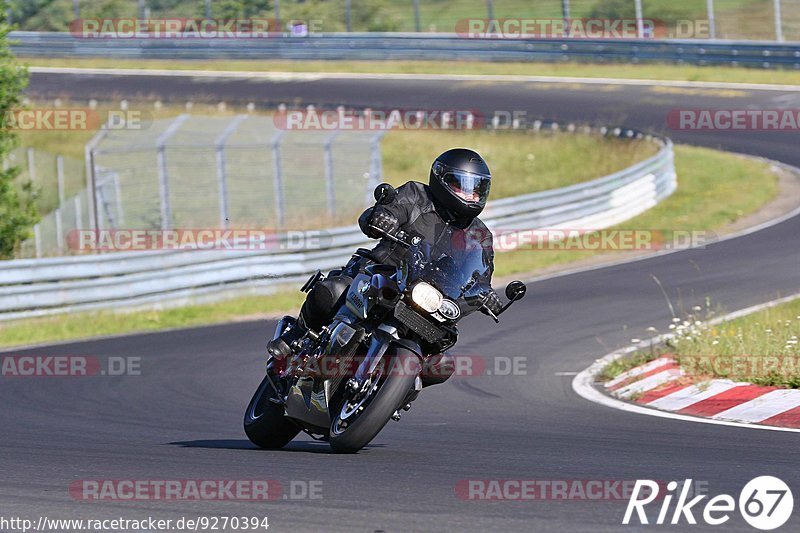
x,y
308,446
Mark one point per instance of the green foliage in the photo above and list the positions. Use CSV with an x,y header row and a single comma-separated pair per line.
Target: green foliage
x,y
241,8
17,210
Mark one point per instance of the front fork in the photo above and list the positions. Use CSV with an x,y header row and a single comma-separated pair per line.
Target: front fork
x,y
382,338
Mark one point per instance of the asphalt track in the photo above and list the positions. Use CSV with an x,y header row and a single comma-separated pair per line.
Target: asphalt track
x,y
181,419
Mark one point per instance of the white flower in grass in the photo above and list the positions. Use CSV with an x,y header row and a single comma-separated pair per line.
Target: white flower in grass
x,y
652,329
636,341
714,343
672,326
697,308
676,320
768,330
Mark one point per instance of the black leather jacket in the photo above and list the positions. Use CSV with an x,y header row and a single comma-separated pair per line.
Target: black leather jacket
x,y
417,213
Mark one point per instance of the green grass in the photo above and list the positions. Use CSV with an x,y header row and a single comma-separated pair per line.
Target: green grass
x,y
623,364
761,348
521,162
735,18
715,189
572,69
549,160
85,325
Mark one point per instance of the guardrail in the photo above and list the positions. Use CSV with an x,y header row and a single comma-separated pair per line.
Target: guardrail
x,y
413,46
37,287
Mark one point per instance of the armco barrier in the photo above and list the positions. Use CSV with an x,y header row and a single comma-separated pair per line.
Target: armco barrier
x,y
37,287
412,46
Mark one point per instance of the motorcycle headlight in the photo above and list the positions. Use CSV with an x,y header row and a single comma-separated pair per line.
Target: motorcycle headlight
x,y
449,309
426,296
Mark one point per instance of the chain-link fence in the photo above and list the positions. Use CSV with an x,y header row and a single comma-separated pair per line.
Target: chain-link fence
x,y
212,172
55,177
722,19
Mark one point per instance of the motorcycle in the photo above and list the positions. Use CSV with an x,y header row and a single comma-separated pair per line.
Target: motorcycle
x,y
342,382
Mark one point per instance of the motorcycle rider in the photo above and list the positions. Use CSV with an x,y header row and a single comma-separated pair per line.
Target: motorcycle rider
x,y
446,208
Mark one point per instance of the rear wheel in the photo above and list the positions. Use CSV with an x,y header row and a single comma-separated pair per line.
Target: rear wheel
x,y
264,421
362,415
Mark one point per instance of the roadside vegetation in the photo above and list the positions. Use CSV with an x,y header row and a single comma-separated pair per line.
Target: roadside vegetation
x,y
522,162
715,189
93,324
549,159
17,197
761,348
650,71
748,19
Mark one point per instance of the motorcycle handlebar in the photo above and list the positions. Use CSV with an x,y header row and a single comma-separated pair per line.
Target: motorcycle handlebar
x,y
400,237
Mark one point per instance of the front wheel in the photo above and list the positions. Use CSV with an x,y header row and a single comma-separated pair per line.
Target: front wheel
x,y
362,415
264,421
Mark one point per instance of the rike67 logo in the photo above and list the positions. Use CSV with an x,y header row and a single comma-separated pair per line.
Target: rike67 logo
x,y
765,503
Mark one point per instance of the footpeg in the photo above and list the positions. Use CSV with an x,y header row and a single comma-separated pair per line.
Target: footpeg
x,y
281,346
396,416
278,349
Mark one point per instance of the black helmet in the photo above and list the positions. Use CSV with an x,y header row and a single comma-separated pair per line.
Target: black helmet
x,y
459,182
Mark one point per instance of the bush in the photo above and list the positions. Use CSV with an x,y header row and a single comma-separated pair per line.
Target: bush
x,y
17,209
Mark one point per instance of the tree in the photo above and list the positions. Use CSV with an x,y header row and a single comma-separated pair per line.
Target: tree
x,y
17,208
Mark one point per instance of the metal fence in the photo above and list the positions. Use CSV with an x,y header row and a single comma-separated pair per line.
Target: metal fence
x,y
420,46
216,172
55,176
38,287
722,19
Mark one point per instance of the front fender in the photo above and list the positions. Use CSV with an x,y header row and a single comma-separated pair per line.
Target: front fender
x,y
382,338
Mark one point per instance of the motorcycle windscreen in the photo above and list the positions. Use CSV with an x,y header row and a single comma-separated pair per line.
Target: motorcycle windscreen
x,y
451,263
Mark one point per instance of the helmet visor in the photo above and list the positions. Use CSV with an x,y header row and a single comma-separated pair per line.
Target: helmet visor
x,y
472,188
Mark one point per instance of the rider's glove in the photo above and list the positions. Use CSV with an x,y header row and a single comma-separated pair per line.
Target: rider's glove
x,y
384,221
493,303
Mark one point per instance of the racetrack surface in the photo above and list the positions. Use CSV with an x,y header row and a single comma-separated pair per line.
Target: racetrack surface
x,y
181,419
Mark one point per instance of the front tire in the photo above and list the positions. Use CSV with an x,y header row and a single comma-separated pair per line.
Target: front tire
x,y
264,421
352,429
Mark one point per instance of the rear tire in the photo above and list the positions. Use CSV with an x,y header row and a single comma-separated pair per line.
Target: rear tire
x,y
392,390
264,421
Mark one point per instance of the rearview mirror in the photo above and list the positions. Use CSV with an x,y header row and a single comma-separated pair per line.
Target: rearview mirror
x,y
385,194
515,290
